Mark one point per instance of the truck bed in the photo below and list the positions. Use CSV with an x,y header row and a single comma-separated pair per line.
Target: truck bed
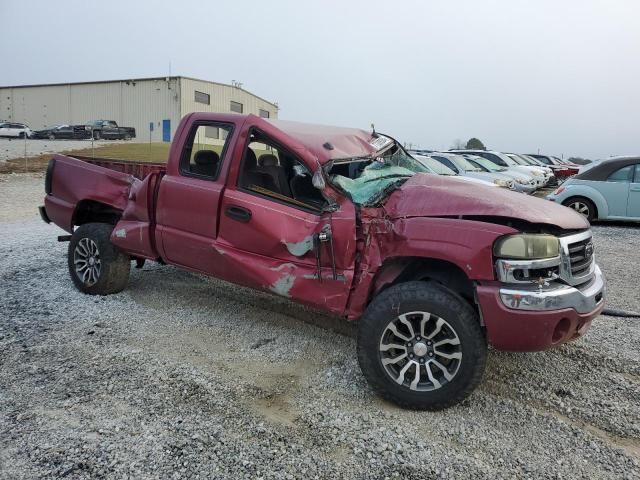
x,y
75,184
137,169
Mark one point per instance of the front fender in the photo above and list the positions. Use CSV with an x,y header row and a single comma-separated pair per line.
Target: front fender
x,y
466,244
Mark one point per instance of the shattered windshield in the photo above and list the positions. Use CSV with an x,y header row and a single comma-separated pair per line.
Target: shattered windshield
x,y
368,181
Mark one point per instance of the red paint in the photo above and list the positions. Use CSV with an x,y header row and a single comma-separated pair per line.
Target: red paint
x,y
184,221
524,331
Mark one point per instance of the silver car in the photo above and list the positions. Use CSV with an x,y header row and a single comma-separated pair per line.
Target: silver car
x,y
503,160
522,160
463,167
523,183
440,169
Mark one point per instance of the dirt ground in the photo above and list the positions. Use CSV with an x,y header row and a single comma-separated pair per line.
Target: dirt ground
x,y
182,376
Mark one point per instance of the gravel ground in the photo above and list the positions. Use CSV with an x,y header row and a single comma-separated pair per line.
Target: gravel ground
x,y
181,376
14,148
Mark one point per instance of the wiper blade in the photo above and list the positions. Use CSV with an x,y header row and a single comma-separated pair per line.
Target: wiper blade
x,y
396,175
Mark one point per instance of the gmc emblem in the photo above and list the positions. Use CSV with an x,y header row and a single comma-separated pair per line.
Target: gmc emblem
x,y
588,251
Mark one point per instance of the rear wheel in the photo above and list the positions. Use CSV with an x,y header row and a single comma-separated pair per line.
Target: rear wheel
x,y
96,266
96,135
52,136
127,137
583,206
421,346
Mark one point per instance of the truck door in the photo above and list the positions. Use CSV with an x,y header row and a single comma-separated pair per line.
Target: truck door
x,y
274,234
189,197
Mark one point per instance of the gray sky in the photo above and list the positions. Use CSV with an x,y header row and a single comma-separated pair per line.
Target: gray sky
x,y
559,76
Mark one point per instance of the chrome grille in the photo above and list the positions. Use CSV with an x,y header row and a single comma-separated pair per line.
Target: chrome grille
x,y
577,260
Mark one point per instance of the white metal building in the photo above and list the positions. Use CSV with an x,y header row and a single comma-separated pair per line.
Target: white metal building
x,y
153,106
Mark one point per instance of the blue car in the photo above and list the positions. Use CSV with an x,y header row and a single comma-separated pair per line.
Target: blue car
x,y
608,190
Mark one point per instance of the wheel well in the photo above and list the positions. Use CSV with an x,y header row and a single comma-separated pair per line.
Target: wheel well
x,y
581,197
89,211
399,270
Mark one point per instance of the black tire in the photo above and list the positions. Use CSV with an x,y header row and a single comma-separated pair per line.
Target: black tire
x,y
113,271
579,204
96,135
440,303
21,135
52,136
127,137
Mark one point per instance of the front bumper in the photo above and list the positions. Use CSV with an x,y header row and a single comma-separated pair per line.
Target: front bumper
x,y
537,319
519,187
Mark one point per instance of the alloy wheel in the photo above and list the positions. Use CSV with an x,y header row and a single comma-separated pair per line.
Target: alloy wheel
x,y
86,258
580,207
420,351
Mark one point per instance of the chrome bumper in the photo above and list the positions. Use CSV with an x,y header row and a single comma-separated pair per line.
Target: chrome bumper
x,y
557,296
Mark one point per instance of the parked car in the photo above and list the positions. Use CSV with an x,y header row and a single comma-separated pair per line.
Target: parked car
x,y
609,190
462,167
549,177
54,132
14,130
109,130
345,221
523,183
503,160
439,169
561,170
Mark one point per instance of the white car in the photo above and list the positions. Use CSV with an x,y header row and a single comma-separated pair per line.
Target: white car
x,y
14,130
503,160
522,160
439,169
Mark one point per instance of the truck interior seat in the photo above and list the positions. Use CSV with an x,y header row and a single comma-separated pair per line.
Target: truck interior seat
x,y
269,164
205,163
303,190
250,160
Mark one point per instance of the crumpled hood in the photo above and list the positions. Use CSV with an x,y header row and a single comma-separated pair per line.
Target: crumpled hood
x,y
425,195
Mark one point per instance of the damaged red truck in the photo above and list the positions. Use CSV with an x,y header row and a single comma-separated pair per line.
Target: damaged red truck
x,y
343,220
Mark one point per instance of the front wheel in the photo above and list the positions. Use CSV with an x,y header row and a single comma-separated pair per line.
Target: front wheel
x,y
52,136
421,346
96,135
96,266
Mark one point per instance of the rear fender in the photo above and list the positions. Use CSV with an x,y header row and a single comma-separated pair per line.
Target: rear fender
x,y
74,183
133,232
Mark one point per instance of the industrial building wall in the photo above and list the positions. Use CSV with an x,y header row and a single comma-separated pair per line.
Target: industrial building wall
x,y
220,98
130,103
133,103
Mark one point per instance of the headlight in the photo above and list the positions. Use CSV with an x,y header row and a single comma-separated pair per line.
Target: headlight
x,y
537,173
501,182
527,246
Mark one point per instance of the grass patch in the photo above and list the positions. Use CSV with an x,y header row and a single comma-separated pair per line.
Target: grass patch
x,y
137,152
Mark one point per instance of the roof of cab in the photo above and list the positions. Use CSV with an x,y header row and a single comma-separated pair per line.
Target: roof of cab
x,y
326,142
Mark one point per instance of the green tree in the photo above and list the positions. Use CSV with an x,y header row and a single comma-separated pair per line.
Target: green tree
x,y
475,144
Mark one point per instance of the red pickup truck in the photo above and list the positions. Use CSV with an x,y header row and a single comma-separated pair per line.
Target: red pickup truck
x,y
346,221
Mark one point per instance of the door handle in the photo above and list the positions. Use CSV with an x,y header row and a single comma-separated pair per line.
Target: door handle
x,y
240,214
